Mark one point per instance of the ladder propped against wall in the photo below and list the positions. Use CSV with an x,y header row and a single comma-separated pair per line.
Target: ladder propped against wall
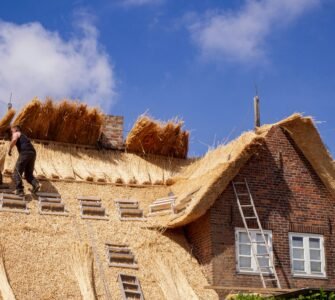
x,y
248,212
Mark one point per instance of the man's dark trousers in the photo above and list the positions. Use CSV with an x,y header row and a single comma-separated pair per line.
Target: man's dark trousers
x,y
25,164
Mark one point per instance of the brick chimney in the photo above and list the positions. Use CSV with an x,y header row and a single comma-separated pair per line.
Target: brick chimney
x,y
112,132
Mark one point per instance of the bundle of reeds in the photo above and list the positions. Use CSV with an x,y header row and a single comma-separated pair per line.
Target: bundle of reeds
x,y
66,121
5,288
6,120
155,137
81,262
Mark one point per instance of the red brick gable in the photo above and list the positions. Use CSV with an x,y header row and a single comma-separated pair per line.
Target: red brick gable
x,y
289,197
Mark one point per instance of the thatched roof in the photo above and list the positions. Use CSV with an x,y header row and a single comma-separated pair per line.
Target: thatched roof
x,y
155,137
207,178
71,163
196,182
40,262
66,121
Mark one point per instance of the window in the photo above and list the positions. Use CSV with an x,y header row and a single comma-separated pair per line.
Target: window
x,y
244,255
307,255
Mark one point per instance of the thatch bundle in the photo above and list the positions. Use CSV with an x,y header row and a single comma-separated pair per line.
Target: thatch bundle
x,y
81,261
152,136
66,121
5,288
173,282
6,120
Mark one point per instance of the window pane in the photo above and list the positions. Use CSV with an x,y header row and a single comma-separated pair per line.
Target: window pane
x,y
245,249
245,262
243,237
261,249
259,237
314,243
315,254
263,262
297,241
298,265
315,267
298,253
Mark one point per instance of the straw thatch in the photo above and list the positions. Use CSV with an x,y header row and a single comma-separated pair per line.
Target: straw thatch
x,y
173,282
81,261
5,121
66,121
38,247
5,288
80,164
152,136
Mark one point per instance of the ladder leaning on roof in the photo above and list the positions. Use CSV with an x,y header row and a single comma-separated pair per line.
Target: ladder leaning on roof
x,y
271,268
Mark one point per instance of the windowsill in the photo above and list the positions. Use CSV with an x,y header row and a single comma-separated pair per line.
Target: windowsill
x,y
321,277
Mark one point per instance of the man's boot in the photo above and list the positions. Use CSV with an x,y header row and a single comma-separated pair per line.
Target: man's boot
x,y
36,186
19,192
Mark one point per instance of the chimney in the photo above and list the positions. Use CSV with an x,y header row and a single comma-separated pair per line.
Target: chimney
x,y
256,112
112,132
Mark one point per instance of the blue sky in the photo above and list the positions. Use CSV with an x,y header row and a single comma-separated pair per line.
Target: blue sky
x,y
196,59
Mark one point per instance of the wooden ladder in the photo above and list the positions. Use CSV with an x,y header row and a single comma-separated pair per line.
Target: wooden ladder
x,y
249,206
130,287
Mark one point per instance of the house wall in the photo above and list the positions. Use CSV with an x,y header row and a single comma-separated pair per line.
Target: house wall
x,y
289,197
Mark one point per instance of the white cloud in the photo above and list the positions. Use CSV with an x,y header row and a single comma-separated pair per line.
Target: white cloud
x,y
241,35
38,62
140,2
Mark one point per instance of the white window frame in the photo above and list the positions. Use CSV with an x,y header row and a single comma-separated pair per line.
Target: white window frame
x,y
253,233
306,259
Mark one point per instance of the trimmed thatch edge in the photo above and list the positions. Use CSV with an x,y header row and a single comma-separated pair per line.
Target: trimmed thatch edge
x,y
306,136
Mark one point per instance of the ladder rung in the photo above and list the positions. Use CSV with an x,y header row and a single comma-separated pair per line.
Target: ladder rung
x,y
270,279
247,205
239,182
250,217
242,194
263,255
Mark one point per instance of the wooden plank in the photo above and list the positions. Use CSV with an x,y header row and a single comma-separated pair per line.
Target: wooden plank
x,y
45,205
90,203
131,211
121,265
125,201
94,217
14,203
13,210
48,195
53,200
128,205
122,255
54,213
12,196
88,198
90,209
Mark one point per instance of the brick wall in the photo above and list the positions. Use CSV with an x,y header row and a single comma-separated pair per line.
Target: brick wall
x,y
112,132
289,197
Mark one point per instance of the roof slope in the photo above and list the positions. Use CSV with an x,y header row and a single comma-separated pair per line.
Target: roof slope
x,y
199,184
37,247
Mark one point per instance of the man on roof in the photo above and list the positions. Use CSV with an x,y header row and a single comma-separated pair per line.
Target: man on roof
x,y
25,162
